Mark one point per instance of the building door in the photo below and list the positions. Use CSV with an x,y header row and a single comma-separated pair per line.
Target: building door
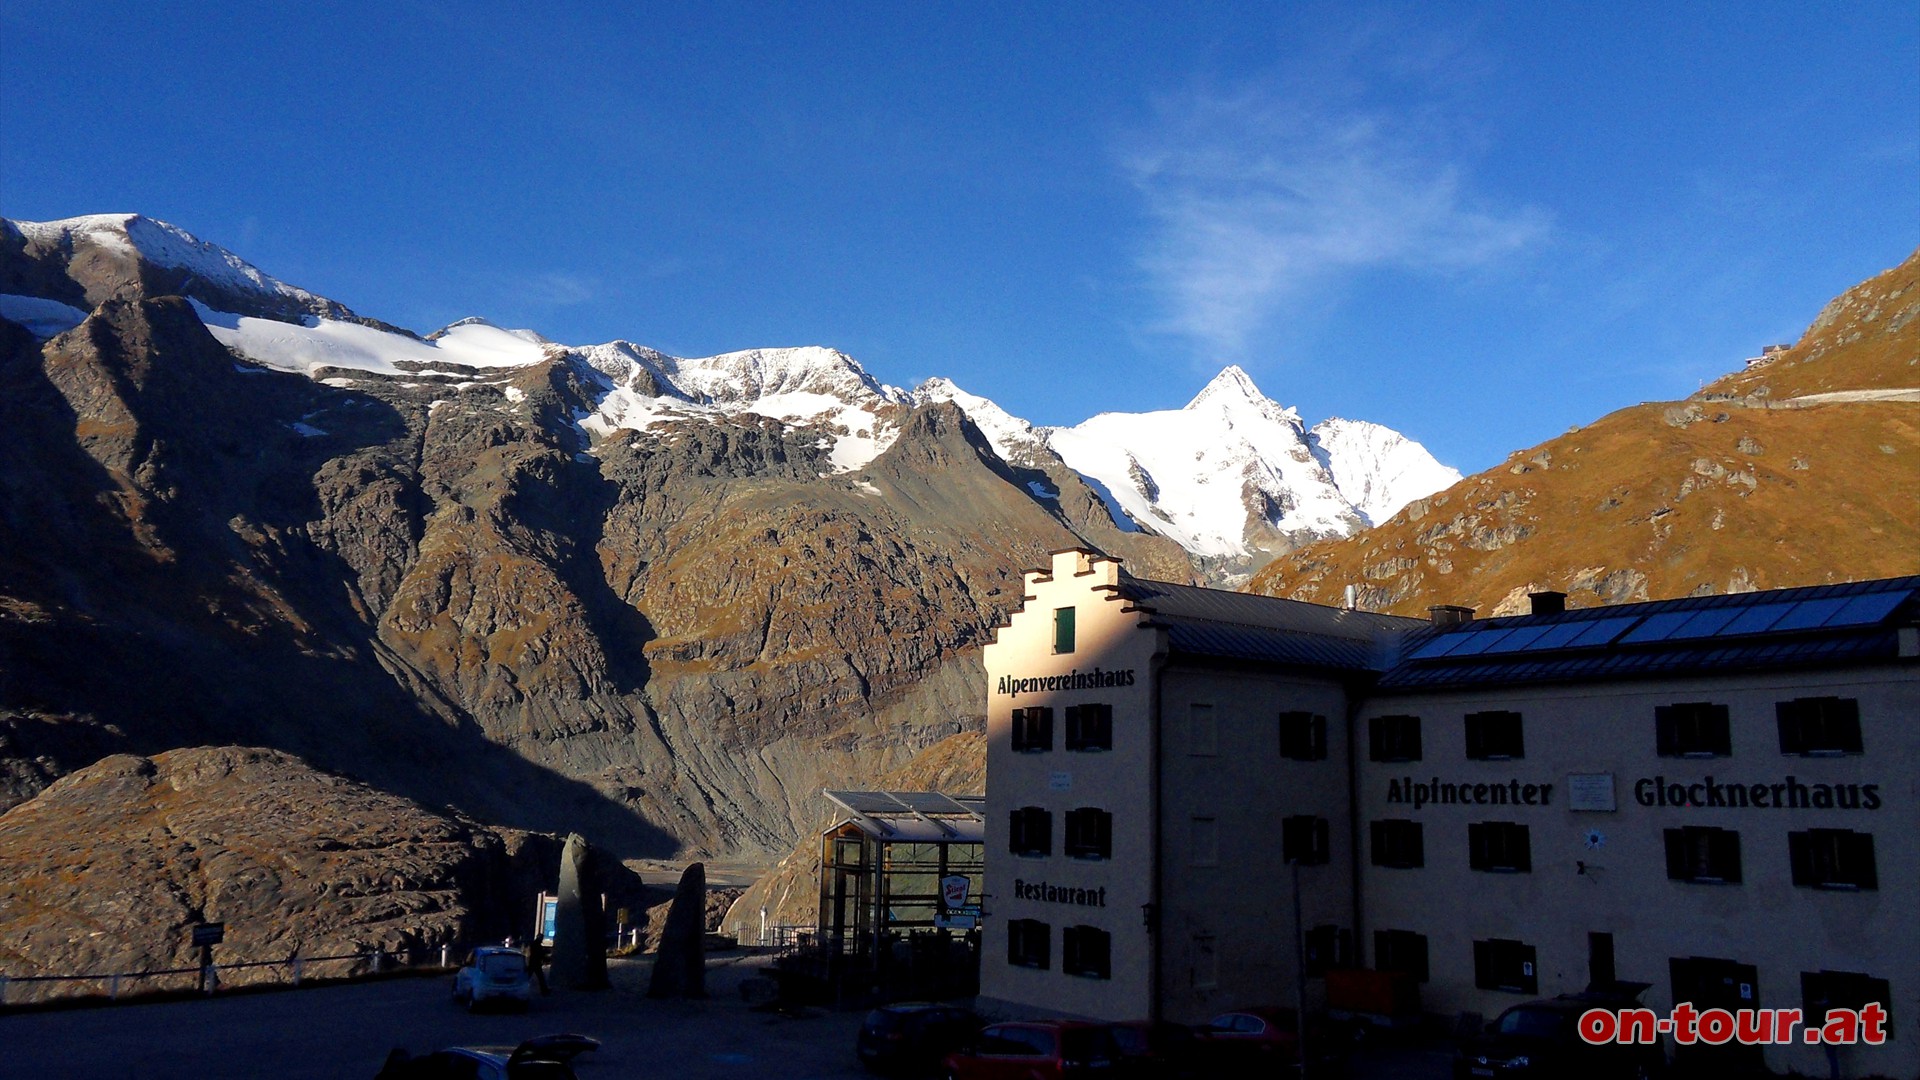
x,y
1711,983
1600,973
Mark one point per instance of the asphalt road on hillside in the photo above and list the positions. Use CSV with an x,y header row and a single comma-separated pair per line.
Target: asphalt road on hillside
x,y
346,1032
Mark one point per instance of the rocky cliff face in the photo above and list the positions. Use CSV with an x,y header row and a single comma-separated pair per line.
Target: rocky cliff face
x,y
1797,472
434,575
109,868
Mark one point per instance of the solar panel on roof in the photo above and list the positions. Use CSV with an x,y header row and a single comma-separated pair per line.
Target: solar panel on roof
x,y
1522,637
1705,623
1757,619
1559,634
1439,646
1867,610
1602,631
1808,614
1656,627
1476,643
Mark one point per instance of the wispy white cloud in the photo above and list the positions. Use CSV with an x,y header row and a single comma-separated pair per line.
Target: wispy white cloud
x,y
1264,198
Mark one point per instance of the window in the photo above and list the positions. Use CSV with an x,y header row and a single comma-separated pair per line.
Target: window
x,y
1089,727
1499,964
1089,834
1833,859
1086,950
1328,947
1499,846
1205,972
1401,950
1028,943
1303,839
1494,736
1205,841
1063,630
1823,990
1692,729
1303,736
1203,738
1032,730
1819,726
1017,1042
1705,855
1398,843
1393,738
1030,832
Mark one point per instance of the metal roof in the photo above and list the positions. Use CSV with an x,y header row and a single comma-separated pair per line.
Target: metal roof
x,y
1247,626
1822,624
914,816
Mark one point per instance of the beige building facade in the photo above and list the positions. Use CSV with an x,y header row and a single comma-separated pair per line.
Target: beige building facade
x,y
1714,797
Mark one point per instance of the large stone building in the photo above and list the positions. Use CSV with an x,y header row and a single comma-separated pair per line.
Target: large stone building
x,y
1715,796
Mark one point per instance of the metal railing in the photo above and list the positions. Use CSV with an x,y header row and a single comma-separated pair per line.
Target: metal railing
x,y
208,980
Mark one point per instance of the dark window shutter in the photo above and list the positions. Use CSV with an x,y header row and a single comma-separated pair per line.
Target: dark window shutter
x,y
1857,860
1790,715
1046,728
1522,845
1800,855
1477,855
1725,852
1665,742
1679,866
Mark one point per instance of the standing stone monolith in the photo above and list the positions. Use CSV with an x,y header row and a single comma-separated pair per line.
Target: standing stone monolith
x,y
579,926
680,966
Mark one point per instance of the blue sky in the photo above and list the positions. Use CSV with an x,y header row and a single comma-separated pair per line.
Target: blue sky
x,y
1480,224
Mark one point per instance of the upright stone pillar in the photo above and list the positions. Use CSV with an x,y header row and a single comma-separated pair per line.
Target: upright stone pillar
x,y
680,966
579,926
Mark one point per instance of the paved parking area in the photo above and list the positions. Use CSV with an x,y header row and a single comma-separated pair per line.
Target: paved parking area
x,y
346,1031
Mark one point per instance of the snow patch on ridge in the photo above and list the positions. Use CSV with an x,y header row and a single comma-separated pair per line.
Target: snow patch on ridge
x,y
42,318
168,246
317,343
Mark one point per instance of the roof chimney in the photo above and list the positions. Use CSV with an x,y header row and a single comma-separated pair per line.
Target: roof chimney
x,y
1548,603
1450,614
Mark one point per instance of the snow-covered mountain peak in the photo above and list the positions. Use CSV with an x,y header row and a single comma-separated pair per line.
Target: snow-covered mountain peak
x,y
1377,469
531,336
1014,439
761,373
171,247
1233,396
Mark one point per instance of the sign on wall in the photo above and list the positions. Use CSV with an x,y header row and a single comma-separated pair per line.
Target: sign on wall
x,y
1592,792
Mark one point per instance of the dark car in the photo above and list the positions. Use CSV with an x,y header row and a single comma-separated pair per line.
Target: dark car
x,y
547,1057
1542,1038
1156,1050
1051,1050
910,1037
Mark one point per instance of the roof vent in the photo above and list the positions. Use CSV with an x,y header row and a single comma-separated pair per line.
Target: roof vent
x,y
1548,603
1450,614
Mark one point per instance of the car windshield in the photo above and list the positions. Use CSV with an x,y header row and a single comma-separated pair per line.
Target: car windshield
x,y
503,965
1532,1023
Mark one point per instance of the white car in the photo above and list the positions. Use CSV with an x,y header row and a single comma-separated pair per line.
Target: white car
x,y
494,975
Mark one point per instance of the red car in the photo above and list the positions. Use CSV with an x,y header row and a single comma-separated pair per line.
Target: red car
x,y
1257,1036
1051,1050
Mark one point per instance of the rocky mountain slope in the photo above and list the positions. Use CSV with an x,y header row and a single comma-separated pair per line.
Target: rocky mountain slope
x,y
109,868
462,569
1795,472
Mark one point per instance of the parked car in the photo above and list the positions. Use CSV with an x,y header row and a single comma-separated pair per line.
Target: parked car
x,y
1257,1037
1542,1038
493,975
911,1037
1052,1050
1162,1050
548,1057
